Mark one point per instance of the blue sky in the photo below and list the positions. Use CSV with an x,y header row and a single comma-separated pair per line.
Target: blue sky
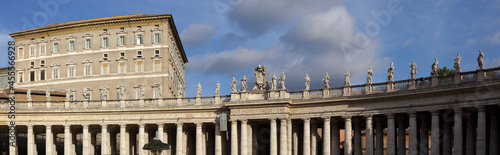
x,y
228,38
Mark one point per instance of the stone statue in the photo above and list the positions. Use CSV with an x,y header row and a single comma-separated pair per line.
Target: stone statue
x,y
480,63
260,78
28,95
217,88
369,76
413,71
282,81
104,93
198,89
244,84
326,80
347,78
435,67
308,81
457,63
47,94
121,92
143,92
390,73
273,82
179,90
68,94
84,93
160,89
233,85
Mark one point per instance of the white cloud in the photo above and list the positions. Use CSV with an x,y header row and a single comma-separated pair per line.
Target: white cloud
x,y
496,38
197,34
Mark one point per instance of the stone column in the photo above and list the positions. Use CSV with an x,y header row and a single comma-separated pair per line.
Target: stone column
x,y
335,137
306,148
435,150
391,135
357,137
289,135
424,136
218,139
413,150
86,139
326,136
123,145
67,140
283,137
199,141
141,139
401,136
49,142
274,138
457,134
470,139
295,130
379,149
481,131
31,140
234,137
369,136
348,136
493,132
314,130
160,131
179,142
105,139
244,137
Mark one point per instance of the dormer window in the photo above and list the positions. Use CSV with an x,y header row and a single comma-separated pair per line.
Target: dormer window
x,y
139,53
157,52
122,54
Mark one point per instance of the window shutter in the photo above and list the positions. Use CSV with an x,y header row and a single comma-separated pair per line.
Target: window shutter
x,y
101,43
117,40
135,39
159,37
152,38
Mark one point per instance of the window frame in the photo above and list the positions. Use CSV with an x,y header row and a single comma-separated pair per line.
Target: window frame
x,y
43,49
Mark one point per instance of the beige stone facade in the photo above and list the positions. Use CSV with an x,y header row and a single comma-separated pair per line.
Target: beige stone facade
x,y
100,56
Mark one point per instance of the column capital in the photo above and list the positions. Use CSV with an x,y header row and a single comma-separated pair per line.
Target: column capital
x,y
179,123
412,114
104,125
160,124
67,126
480,108
370,117
48,125
141,125
347,117
390,116
288,120
273,120
458,110
326,119
198,124
308,120
244,120
435,112
123,125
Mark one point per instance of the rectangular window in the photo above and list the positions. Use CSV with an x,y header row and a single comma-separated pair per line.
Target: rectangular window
x,y
139,66
42,62
32,50
71,45
157,65
87,70
157,38
139,39
42,75
88,44
105,42
122,67
55,73
21,52
21,77
71,71
121,40
104,69
32,63
138,94
32,75
156,95
157,52
55,47
42,49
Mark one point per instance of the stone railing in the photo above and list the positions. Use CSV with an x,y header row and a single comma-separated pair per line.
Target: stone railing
x,y
354,90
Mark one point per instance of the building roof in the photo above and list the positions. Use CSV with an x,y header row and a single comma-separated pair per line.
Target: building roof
x,y
105,21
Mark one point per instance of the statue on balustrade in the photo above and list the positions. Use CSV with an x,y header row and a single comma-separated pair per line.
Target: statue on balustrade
x,y
217,88
244,84
457,63
308,81
179,90
260,78
47,94
104,93
273,82
369,75
198,93
326,80
390,73
347,81
282,81
480,58
28,95
68,94
435,67
413,71
233,85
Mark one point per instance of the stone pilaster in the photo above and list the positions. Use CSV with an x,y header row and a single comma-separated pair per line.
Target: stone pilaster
x,y
348,136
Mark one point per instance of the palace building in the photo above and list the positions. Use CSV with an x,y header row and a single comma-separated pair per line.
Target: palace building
x,y
117,100
131,56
